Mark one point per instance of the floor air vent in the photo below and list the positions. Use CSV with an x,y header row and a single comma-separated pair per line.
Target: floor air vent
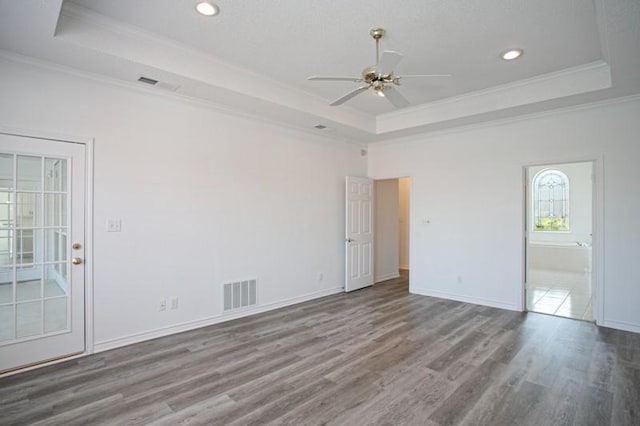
x,y
239,294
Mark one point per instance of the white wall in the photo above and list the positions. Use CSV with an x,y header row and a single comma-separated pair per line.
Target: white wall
x,y
386,230
204,198
403,219
580,204
468,185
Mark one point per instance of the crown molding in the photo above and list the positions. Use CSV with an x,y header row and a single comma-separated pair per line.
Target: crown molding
x,y
103,34
243,114
420,137
175,97
571,81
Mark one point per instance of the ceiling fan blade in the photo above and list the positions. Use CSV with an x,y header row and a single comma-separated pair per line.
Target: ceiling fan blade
x,y
395,97
388,62
349,95
320,78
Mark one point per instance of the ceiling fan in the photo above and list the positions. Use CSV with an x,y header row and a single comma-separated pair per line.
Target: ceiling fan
x,y
379,77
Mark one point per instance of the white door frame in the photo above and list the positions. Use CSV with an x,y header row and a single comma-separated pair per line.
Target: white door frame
x,y
411,213
597,229
88,254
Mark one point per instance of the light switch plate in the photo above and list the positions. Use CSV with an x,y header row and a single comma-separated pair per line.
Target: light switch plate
x,y
114,225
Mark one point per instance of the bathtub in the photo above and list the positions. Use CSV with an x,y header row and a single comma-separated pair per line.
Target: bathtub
x,y
574,256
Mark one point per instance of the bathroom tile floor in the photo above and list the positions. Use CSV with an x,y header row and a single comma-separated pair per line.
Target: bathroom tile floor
x,y
565,294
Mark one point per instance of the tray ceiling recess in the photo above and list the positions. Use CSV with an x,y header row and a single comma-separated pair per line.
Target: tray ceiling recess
x,y
575,52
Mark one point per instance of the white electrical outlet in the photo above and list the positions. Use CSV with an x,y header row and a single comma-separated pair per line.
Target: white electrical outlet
x,y
320,276
174,303
114,225
163,305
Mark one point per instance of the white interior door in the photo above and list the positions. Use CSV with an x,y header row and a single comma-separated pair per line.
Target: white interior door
x,y
359,233
42,221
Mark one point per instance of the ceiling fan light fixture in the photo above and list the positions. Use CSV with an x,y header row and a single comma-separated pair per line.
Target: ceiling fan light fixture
x,y
207,8
511,54
378,78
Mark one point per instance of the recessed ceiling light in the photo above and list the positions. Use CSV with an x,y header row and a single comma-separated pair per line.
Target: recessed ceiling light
x,y
206,8
512,54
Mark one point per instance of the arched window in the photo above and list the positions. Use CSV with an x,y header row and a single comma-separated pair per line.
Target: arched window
x,y
550,201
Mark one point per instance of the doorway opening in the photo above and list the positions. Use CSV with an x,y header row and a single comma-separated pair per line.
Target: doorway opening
x,y
558,239
391,221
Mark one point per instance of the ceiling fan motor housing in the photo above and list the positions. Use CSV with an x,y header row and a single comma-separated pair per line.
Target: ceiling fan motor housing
x,y
370,75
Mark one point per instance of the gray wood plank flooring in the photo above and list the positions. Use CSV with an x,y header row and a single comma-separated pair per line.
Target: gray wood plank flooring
x,y
378,356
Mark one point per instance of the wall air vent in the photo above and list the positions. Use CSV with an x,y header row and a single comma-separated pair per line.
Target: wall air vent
x,y
148,80
240,294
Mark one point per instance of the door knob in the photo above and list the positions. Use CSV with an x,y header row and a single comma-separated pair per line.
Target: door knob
x,y
76,246
76,261
349,240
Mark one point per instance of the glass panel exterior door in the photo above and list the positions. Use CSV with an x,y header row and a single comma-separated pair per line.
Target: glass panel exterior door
x,y
37,290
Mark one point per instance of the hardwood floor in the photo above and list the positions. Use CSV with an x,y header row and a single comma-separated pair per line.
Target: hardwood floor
x,y
378,356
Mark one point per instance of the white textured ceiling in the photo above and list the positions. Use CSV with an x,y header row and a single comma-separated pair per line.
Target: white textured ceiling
x,y
289,40
255,56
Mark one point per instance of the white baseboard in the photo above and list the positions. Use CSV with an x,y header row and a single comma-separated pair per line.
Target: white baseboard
x,y
385,277
216,319
621,325
459,298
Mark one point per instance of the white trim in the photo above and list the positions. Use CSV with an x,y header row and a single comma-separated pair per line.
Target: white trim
x,y
412,227
88,208
621,325
386,277
176,97
597,229
204,322
568,72
571,81
466,299
519,84
45,135
420,136
597,240
88,30
358,140
524,227
86,15
89,332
